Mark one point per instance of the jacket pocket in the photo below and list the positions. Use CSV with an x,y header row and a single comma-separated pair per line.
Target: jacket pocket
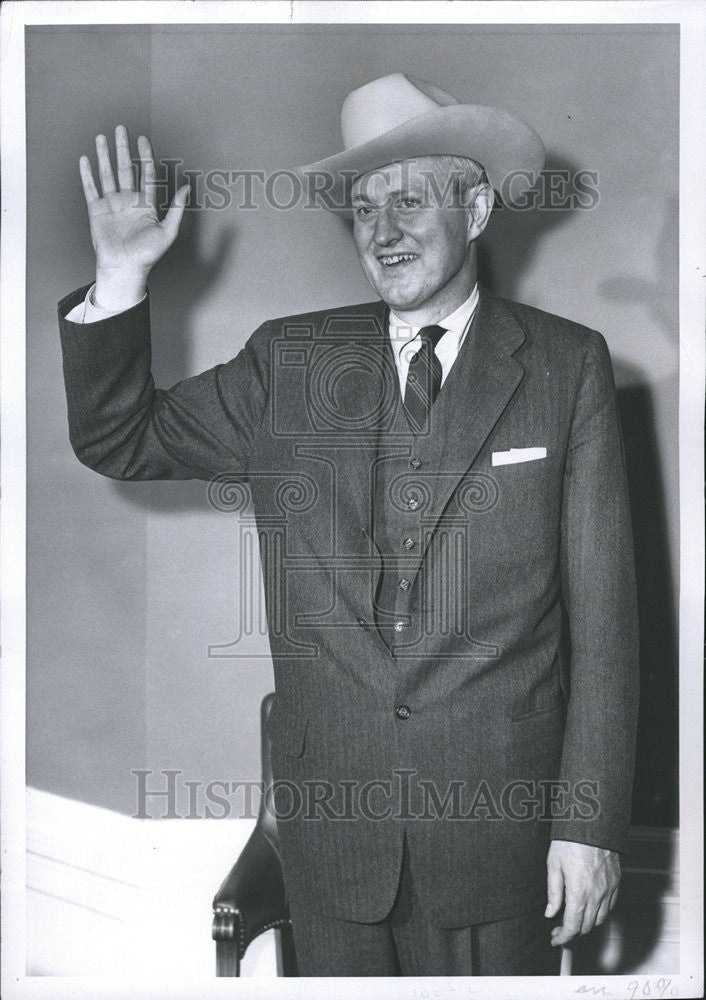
x,y
287,729
537,713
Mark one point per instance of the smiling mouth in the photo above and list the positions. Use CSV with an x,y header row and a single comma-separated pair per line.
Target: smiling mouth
x,y
389,260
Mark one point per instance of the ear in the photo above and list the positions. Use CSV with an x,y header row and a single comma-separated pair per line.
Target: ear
x,y
480,206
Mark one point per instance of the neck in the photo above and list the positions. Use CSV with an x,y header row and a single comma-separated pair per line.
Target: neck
x,y
446,301
431,313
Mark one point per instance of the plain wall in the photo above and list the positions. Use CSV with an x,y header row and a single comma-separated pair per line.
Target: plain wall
x,y
130,584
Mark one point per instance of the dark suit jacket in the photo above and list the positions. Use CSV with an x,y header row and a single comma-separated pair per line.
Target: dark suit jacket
x,y
517,664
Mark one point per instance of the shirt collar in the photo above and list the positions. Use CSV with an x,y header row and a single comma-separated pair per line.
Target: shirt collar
x,y
401,333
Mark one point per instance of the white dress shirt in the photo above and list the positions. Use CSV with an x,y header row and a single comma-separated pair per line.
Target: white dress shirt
x,y
406,340
89,311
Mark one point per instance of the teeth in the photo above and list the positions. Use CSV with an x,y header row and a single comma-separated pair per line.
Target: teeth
x,y
397,258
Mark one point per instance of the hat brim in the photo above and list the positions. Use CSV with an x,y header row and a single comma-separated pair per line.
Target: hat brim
x,y
507,147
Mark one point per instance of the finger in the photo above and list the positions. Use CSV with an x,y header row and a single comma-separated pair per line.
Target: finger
x,y
90,191
172,220
105,170
555,890
571,924
614,897
126,174
603,910
148,171
589,917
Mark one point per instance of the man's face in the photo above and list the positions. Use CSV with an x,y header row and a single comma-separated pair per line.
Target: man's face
x,y
412,238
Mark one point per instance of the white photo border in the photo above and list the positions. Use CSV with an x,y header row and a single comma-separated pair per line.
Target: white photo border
x,y
691,16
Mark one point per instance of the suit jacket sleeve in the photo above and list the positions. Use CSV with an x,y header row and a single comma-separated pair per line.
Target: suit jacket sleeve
x,y
600,599
123,427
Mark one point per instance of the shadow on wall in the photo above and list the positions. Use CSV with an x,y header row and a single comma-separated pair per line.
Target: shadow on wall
x,y
642,934
655,295
656,778
513,235
656,774
180,282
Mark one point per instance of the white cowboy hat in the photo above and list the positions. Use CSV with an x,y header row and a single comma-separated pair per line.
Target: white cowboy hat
x,y
399,117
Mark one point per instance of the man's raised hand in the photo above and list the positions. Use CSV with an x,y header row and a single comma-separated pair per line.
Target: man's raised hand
x,y
127,236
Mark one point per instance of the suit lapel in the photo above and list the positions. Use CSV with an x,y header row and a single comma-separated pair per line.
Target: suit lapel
x,y
478,389
365,396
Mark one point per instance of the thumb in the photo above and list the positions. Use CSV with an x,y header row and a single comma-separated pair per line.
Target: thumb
x,y
555,890
172,220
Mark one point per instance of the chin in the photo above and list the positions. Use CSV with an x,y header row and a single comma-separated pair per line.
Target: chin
x,y
396,303
398,298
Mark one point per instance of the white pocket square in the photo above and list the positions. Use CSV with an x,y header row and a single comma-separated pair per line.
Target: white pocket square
x,y
518,455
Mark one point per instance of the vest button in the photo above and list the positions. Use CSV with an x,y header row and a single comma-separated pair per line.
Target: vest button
x,y
361,621
404,584
408,543
415,463
403,712
399,626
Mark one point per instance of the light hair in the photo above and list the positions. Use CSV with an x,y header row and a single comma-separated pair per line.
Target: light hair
x,y
450,180
466,174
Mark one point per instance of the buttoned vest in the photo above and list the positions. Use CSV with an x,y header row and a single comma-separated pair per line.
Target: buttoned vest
x,y
408,468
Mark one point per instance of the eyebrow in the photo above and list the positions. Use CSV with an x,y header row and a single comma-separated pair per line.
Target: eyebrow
x,y
399,193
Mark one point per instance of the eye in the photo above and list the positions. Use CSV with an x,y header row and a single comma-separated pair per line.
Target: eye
x,y
363,211
409,203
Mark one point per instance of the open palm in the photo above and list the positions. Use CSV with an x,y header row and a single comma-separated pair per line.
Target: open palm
x,y
126,231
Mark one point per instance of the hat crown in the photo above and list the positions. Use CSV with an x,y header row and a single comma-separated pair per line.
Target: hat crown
x,y
385,103
400,117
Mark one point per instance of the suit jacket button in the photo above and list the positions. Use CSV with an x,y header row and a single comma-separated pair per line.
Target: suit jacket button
x,y
412,503
403,712
415,462
362,621
408,543
404,584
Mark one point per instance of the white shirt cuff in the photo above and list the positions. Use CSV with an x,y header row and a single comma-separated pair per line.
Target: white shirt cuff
x,y
89,312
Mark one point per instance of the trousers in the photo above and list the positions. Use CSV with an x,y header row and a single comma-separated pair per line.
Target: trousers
x,y
404,943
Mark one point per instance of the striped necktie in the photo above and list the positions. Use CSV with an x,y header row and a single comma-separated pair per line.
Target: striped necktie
x,y
423,378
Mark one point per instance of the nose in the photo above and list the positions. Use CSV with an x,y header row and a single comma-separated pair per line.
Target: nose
x,y
387,231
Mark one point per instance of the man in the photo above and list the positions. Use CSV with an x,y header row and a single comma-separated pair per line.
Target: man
x,y
440,493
